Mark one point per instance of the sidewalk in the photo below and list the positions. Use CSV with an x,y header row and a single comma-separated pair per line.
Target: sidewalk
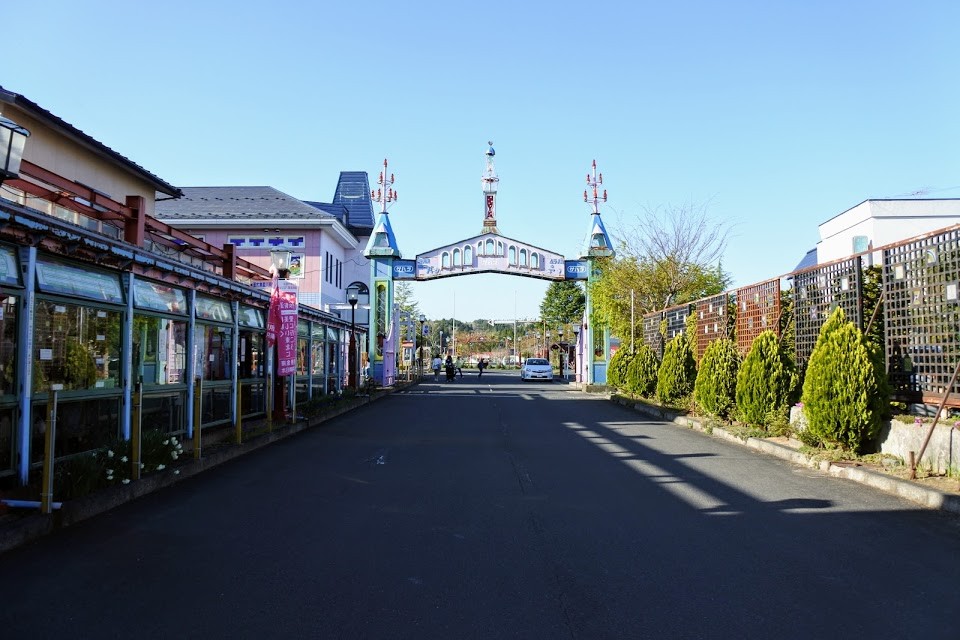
x,y
915,491
20,526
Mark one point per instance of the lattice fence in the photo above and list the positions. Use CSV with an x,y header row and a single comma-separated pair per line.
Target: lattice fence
x,y
817,292
921,292
712,316
758,309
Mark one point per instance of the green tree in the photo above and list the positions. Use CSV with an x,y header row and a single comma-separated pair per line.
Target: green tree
x,y
563,303
642,372
716,387
678,371
617,370
764,380
841,390
404,298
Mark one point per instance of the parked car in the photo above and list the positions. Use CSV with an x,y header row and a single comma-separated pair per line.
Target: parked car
x,y
536,369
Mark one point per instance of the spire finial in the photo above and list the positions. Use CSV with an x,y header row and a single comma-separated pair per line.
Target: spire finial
x,y
386,195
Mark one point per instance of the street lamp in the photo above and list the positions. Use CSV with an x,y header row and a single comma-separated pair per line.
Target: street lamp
x,y
353,295
546,346
13,137
562,358
281,262
576,361
422,319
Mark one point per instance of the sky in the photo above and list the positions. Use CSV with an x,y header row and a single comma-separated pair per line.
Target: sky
x,y
774,116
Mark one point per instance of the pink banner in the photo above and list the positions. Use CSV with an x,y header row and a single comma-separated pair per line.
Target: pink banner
x,y
282,326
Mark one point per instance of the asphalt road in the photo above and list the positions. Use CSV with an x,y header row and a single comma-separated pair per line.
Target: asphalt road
x,y
490,508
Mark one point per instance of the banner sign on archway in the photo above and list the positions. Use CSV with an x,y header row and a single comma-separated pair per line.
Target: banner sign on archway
x,y
576,269
404,269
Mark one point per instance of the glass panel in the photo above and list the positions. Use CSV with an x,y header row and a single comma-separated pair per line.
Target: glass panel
x,y
8,418
213,309
9,273
54,277
82,425
159,350
303,328
159,297
216,405
250,317
302,352
253,399
164,413
252,355
8,346
76,347
316,357
213,352
333,334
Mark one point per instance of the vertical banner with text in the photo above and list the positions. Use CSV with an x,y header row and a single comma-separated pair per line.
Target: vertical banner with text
x,y
282,325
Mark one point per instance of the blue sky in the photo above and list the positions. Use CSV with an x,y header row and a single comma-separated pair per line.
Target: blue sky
x,y
777,115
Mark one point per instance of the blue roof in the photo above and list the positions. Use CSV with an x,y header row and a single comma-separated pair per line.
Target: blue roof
x,y
353,194
809,260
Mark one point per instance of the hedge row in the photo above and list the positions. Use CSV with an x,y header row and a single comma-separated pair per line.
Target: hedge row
x,y
844,388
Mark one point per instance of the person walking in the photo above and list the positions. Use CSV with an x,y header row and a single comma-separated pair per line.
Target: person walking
x,y
451,369
435,365
481,366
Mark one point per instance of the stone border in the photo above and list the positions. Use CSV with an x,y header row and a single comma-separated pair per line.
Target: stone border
x,y
924,496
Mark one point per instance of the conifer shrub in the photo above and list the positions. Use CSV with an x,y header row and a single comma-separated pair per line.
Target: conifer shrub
x,y
715,390
764,380
642,372
678,371
617,371
841,394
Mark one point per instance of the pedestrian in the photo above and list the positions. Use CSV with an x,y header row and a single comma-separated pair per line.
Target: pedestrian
x,y
450,368
435,365
480,367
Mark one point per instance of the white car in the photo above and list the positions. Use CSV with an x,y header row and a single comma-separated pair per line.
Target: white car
x,y
536,369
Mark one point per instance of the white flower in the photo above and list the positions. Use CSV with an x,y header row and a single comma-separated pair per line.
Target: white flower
x,y
142,465
109,474
161,467
173,454
176,472
166,442
109,453
123,459
126,481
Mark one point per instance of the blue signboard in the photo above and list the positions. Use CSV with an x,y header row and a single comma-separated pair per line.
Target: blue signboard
x,y
576,269
404,270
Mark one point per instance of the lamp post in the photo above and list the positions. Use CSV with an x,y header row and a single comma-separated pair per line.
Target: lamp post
x,y
576,361
280,258
353,295
422,319
562,354
13,137
546,346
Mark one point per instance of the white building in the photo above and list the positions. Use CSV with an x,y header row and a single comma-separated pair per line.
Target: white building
x,y
875,223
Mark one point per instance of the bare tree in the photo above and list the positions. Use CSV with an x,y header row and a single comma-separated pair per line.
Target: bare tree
x,y
676,246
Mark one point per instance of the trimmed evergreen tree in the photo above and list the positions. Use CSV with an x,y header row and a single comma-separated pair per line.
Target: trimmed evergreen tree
x,y
716,387
678,371
617,371
764,380
840,392
642,372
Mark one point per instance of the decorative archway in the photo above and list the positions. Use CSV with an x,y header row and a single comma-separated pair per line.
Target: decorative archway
x,y
495,253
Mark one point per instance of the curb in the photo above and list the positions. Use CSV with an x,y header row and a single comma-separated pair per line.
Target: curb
x,y
923,496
